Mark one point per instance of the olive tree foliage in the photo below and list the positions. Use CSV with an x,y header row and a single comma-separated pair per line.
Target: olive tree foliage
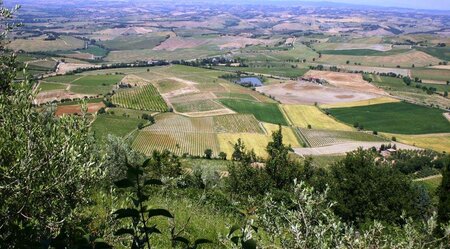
x,y
47,164
308,221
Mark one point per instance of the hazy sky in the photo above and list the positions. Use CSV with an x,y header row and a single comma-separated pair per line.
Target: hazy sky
x,y
416,4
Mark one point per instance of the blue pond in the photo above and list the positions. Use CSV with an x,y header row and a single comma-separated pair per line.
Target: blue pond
x,y
250,81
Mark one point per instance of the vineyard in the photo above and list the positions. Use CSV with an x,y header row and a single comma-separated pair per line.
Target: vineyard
x,y
319,138
144,98
171,123
176,142
197,106
237,123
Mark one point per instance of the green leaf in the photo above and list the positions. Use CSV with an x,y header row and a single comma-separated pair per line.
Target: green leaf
x,y
159,212
124,183
233,229
126,213
152,230
182,240
101,244
133,171
124,231
153,182
249,244
235,240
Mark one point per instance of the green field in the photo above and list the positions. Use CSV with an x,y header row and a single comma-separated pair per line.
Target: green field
x,y
48,86
145,98
265,112
441,53
95,84
115,125
401,118
95,50
134,42
63,79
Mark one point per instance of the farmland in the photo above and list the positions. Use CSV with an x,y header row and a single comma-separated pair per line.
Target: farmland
x,y
265,112
401,118
239,123
303,115
144,98
121,126
319,138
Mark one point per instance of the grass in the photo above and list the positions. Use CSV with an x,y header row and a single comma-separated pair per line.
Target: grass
x,y
96,51
270,69
63,78
115,125
145,98
431,183
376,101
134,42
95,84
47,86
166,85
401,118
127,112
437,142
265,112
304,115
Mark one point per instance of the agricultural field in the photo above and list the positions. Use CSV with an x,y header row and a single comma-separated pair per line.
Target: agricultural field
x,y
144,98
289,136
438,75
115,125
257,142
85,84
265,112
237,123
400,118
320,138
437,142
376,101
304,115
40,44
197,106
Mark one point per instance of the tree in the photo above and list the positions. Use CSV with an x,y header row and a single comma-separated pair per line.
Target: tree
x,y
365,191
444,195
208,153
223,155
279,167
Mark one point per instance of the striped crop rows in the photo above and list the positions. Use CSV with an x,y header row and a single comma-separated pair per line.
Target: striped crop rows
x,y
145,98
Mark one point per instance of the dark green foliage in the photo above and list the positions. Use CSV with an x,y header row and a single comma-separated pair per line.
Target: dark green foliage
x,y
365,191
444,194
409,162
279,167
223,155
208,153
164,164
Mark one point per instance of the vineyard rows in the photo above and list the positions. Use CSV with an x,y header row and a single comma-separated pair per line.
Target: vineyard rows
x,y
176,142
319,138
239,123
145,98
169,123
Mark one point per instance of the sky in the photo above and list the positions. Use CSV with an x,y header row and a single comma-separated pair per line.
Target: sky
x,y
415,4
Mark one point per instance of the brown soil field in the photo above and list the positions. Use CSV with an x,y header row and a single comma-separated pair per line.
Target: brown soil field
x,y
174,43
74,109
218,112
192,97
346,147
349,81
134,80
49,96
310,93
68,67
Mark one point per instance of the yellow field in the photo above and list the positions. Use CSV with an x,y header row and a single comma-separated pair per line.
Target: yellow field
x,y
437,142
258,142
288,134
304,115
376,101
39,44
